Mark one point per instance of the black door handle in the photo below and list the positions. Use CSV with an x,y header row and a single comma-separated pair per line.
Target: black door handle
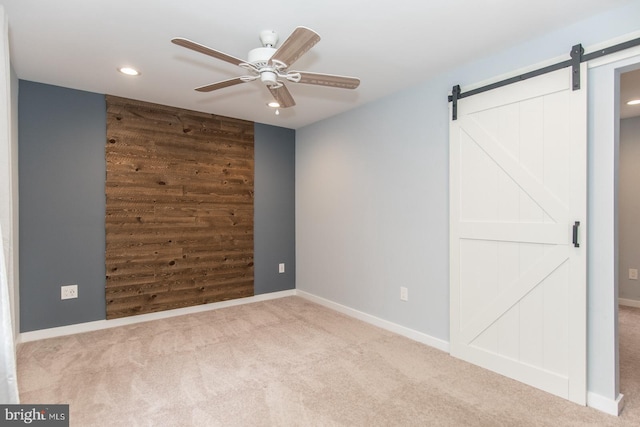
x,y
575,234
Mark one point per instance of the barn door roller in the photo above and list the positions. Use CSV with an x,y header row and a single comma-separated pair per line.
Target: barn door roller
x,y
455,95
576,59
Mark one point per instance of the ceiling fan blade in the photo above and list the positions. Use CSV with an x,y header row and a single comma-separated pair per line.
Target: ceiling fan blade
x,y
220,85
297,44
342,82
283,96
206,50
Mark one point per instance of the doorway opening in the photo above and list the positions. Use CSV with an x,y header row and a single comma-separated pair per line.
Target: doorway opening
x,y
629,232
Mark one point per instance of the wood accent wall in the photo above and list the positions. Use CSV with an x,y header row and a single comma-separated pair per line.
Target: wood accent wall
x,y
179,208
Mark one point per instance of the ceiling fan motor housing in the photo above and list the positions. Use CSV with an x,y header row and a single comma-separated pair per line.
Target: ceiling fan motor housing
x,y
259,57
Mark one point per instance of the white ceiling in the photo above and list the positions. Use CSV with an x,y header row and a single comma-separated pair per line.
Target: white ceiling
x,y
389,45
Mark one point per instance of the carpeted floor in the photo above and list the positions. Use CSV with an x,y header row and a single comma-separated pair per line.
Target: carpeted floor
x,y
290,362
629,346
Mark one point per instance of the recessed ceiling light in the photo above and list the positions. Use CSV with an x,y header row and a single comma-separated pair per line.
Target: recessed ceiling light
x,y
634,102
129,71
273,104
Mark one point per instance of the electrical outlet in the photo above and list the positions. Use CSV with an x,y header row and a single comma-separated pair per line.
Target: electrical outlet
x,y
68,291
281,267
404,294
633,273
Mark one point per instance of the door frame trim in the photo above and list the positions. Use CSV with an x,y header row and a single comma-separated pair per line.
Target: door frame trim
x,y
603,366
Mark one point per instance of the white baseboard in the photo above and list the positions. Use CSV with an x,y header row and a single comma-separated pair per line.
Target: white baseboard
x,y
608,406
376,321
629,302
105,324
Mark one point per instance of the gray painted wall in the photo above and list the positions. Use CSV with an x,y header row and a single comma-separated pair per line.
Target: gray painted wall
x,y
629,208
372,198
62,205
274,205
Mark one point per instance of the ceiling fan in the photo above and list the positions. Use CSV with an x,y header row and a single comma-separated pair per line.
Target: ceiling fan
x,y
271,65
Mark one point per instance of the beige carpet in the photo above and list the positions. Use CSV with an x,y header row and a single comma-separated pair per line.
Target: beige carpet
x,y
629,344
287,362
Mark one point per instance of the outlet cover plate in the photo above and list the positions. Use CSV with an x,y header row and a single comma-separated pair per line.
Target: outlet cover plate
x,y
68,291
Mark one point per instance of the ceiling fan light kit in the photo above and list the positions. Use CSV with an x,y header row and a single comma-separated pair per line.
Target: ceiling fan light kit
x,y
271,65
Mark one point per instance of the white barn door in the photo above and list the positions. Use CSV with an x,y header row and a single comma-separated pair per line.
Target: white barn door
x,y
517,188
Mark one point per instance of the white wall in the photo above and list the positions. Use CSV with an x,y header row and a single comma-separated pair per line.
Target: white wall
x,y
372,195
14,290
629,208
372,210
8,209
9,170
